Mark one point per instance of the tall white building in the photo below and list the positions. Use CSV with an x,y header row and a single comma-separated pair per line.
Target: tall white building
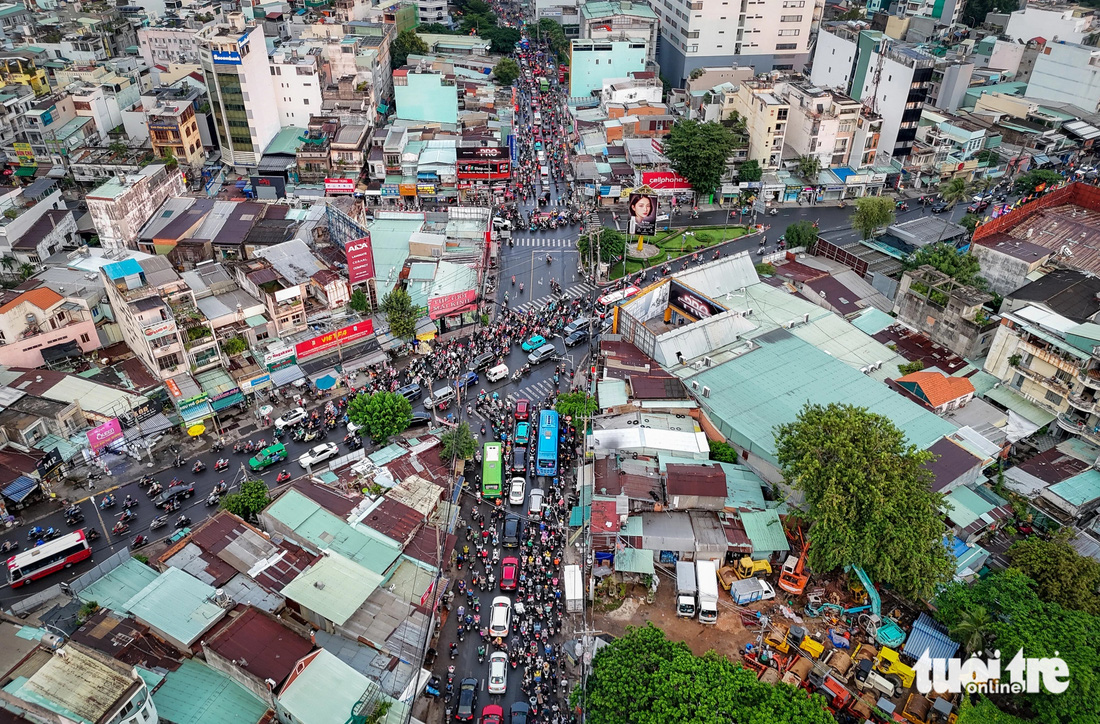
x,y
296,77
238,80
1069,73
764,34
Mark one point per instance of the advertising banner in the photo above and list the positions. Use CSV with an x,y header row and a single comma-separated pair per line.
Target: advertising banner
x,y
339,185
692,303
159,329
489,152
448,304
407,189
105,434
643,214
49,464
665,181
25,154
328,342
360,260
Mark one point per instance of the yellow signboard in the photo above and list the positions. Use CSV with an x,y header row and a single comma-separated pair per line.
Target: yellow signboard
x,y
25,154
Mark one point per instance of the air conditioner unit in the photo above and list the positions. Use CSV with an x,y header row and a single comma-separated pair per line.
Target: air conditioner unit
x,y
788,325
748,312
864,370
708,361
706,392
806,318
695,385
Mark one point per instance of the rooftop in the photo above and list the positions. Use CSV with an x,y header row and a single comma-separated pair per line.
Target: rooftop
x,y
261,645
176,604
197,693
79,686
334,587
935,388
324,691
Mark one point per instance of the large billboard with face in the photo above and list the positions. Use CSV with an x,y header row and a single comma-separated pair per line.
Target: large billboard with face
x,y
643,214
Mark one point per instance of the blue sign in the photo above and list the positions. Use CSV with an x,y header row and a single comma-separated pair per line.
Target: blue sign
x,y
512,146
226,57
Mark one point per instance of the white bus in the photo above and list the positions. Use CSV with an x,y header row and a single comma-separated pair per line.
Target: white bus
x,y
609,300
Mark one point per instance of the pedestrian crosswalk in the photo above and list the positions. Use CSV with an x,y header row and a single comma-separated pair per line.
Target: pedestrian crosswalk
x,y
546,243
573,292
536,392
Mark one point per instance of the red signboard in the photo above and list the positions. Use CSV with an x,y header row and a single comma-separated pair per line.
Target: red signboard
x,y
666,181
360,260
451,303
340,185
329,341
105,434
484,169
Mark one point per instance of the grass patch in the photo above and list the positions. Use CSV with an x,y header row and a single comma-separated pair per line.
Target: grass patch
x,y
674,244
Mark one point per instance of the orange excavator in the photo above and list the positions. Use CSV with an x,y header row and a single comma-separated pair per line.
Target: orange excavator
x,y
793,578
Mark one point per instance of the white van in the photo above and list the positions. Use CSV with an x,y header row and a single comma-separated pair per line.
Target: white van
x,y
543,171
538,118
439,396
498,373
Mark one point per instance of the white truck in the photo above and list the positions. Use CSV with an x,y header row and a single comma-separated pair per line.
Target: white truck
x,y
751,590
574,589
686,589
706,574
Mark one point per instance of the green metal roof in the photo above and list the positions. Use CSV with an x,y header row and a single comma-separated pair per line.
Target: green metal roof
x,y
872,321
119,585
334,587
256,320
325,691
286,142
632,526
765,531
197,693
744,488
753,393
1079,489
632,560
609,9
964,506
177,604
1011,400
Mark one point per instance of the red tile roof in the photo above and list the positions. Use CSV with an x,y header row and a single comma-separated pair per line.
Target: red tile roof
x,y
937,388
42,297
260,645
604,518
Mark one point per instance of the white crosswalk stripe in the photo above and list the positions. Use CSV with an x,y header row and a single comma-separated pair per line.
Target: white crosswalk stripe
x,y
577,290
547,243
535,392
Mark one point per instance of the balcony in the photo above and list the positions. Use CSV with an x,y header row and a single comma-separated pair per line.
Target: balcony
x,y
1079,427
1090,378
1082,404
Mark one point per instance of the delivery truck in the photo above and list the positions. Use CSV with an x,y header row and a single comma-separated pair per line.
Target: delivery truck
x,y
706,573
574,589
686,589
751,590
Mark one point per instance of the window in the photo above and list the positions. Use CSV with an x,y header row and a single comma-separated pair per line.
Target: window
x,y
1054,398
790,18
794,3
85,338
786,46
788,33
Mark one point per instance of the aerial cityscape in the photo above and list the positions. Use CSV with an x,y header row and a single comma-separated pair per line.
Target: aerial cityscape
x,y
549,362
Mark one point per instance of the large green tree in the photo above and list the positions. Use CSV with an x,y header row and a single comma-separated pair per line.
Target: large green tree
x,y
1061,574
576,405
954,191
552,32
1022,620
502,40
698,152
644,678
723,452
405,44
960,266
610,242
809,167
458,442
801,233
401,313
750,171
984,711
249,501
872,213
506,71
1032,180
868,497
380,415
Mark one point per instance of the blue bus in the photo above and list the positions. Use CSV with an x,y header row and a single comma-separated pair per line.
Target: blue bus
x,y
546,460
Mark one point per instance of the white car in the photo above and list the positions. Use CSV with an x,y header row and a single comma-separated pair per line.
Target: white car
x,y
352,427
500,617
515,493
498,673
534,505
291,418
318,454
501,224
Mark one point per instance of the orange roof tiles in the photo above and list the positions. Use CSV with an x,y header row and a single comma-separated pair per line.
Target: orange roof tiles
x,y
937,388
42,297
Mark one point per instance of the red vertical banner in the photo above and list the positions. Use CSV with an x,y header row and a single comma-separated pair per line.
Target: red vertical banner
x,y
360,255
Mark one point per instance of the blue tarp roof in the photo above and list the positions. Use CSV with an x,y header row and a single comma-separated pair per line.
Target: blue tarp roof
x,y
20,489
286,375
843,173
124,268
931,636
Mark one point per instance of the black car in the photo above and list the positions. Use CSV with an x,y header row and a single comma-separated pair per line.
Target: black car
x,y
174,494
513,530
519,460
419,419
576,338
482,361
939,207
467,700
520,712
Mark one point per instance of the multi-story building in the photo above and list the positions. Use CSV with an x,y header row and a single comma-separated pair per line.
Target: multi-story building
x,y
21,68
15,101
1069,73
425,96
173,125
54,130
297,79
314,155
764,34
823,124
946,12
891,78
41,318
165,45
604,18
950,313
21,208
120,207
14,17
766,116
1067,23
284,301
239,82
592,62
349,147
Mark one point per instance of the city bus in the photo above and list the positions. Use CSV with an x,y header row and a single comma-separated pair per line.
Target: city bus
x,y
609,300
491,470
546,459
544,85
50,557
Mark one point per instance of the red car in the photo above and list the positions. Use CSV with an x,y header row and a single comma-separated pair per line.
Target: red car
x,y
492,714
523,407
509,573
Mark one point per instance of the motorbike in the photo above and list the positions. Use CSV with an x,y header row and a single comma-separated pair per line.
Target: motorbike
x,y
773,211
212,499
221,487
120,528
159,522
127,516
9,546
129,503
155,489
139,541
903,207
35,532
238,448
74,519
182,521
91,533
198,467
221,465
145,481
108,501
179,461
311,436
217,446
282,477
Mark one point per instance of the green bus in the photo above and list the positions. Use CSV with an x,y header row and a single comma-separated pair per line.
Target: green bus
x,y
491,472
544,85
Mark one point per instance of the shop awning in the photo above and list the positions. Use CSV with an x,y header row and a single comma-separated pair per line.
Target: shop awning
x,y
157,423
197,412
58,352
18,490
25,171
634,561
234,399
286,375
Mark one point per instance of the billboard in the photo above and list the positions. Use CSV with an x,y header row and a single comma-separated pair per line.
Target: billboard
x,y
331,340
691,303
225,57
643,214
450,303
360,260
25,154
666,181
487,153
48,465
105,434
339,185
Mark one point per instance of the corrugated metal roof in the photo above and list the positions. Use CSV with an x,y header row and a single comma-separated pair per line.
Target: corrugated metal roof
x,y
195,692
931,637
765,531
695,480
118,585
634,561
744,488
612,393
325,691
177,604
335,587
964,506
1079,489
1013,401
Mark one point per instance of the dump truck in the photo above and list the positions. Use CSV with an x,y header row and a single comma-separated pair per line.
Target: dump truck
x,y
747,567
686,589
706,574
574,589
726,576
751,590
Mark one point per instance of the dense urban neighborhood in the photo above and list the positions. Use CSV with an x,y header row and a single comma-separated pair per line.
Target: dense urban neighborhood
x,y
549,361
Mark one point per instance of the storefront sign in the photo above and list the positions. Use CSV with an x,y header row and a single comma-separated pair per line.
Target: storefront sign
x,y
159,329
273,359
48,465
360,256
390,190
267,184
339,185
254,382
25,154
691,303
446,305
223,57
146,410
173,388
406,189
666,181
425,189
329,341
105,434
489,152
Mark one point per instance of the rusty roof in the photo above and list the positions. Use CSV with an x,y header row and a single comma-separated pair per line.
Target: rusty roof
x,y
657,387
425,463
138,374
604,518
736,535
610,480
126,640
699,480
260,645
331,500
395,520
423,545
1053,466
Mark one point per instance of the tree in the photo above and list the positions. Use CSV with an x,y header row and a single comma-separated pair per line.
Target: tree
x,y
234,346
252,498
868,495
723,452
506,71
910,367
987,155
359,302
458,442
801,233
954,191
983,711
117,147
809,167
644,678
380,415
401,313
501,40
698,152
974,11
750,171
577,405
973,629
960,266
1033,181
552,32
1061,574
9,263
170,161
872,213
610,242
970,222
26,270
405,44
853,14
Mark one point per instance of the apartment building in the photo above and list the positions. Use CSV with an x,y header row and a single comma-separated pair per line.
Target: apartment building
x,y
239,83
15,101
173,126
822,124
162,45
21,68
284,301
766,115
120,207
35,321
891,78
297,78
1067,23
601,19
1068,73
592,62
764,34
